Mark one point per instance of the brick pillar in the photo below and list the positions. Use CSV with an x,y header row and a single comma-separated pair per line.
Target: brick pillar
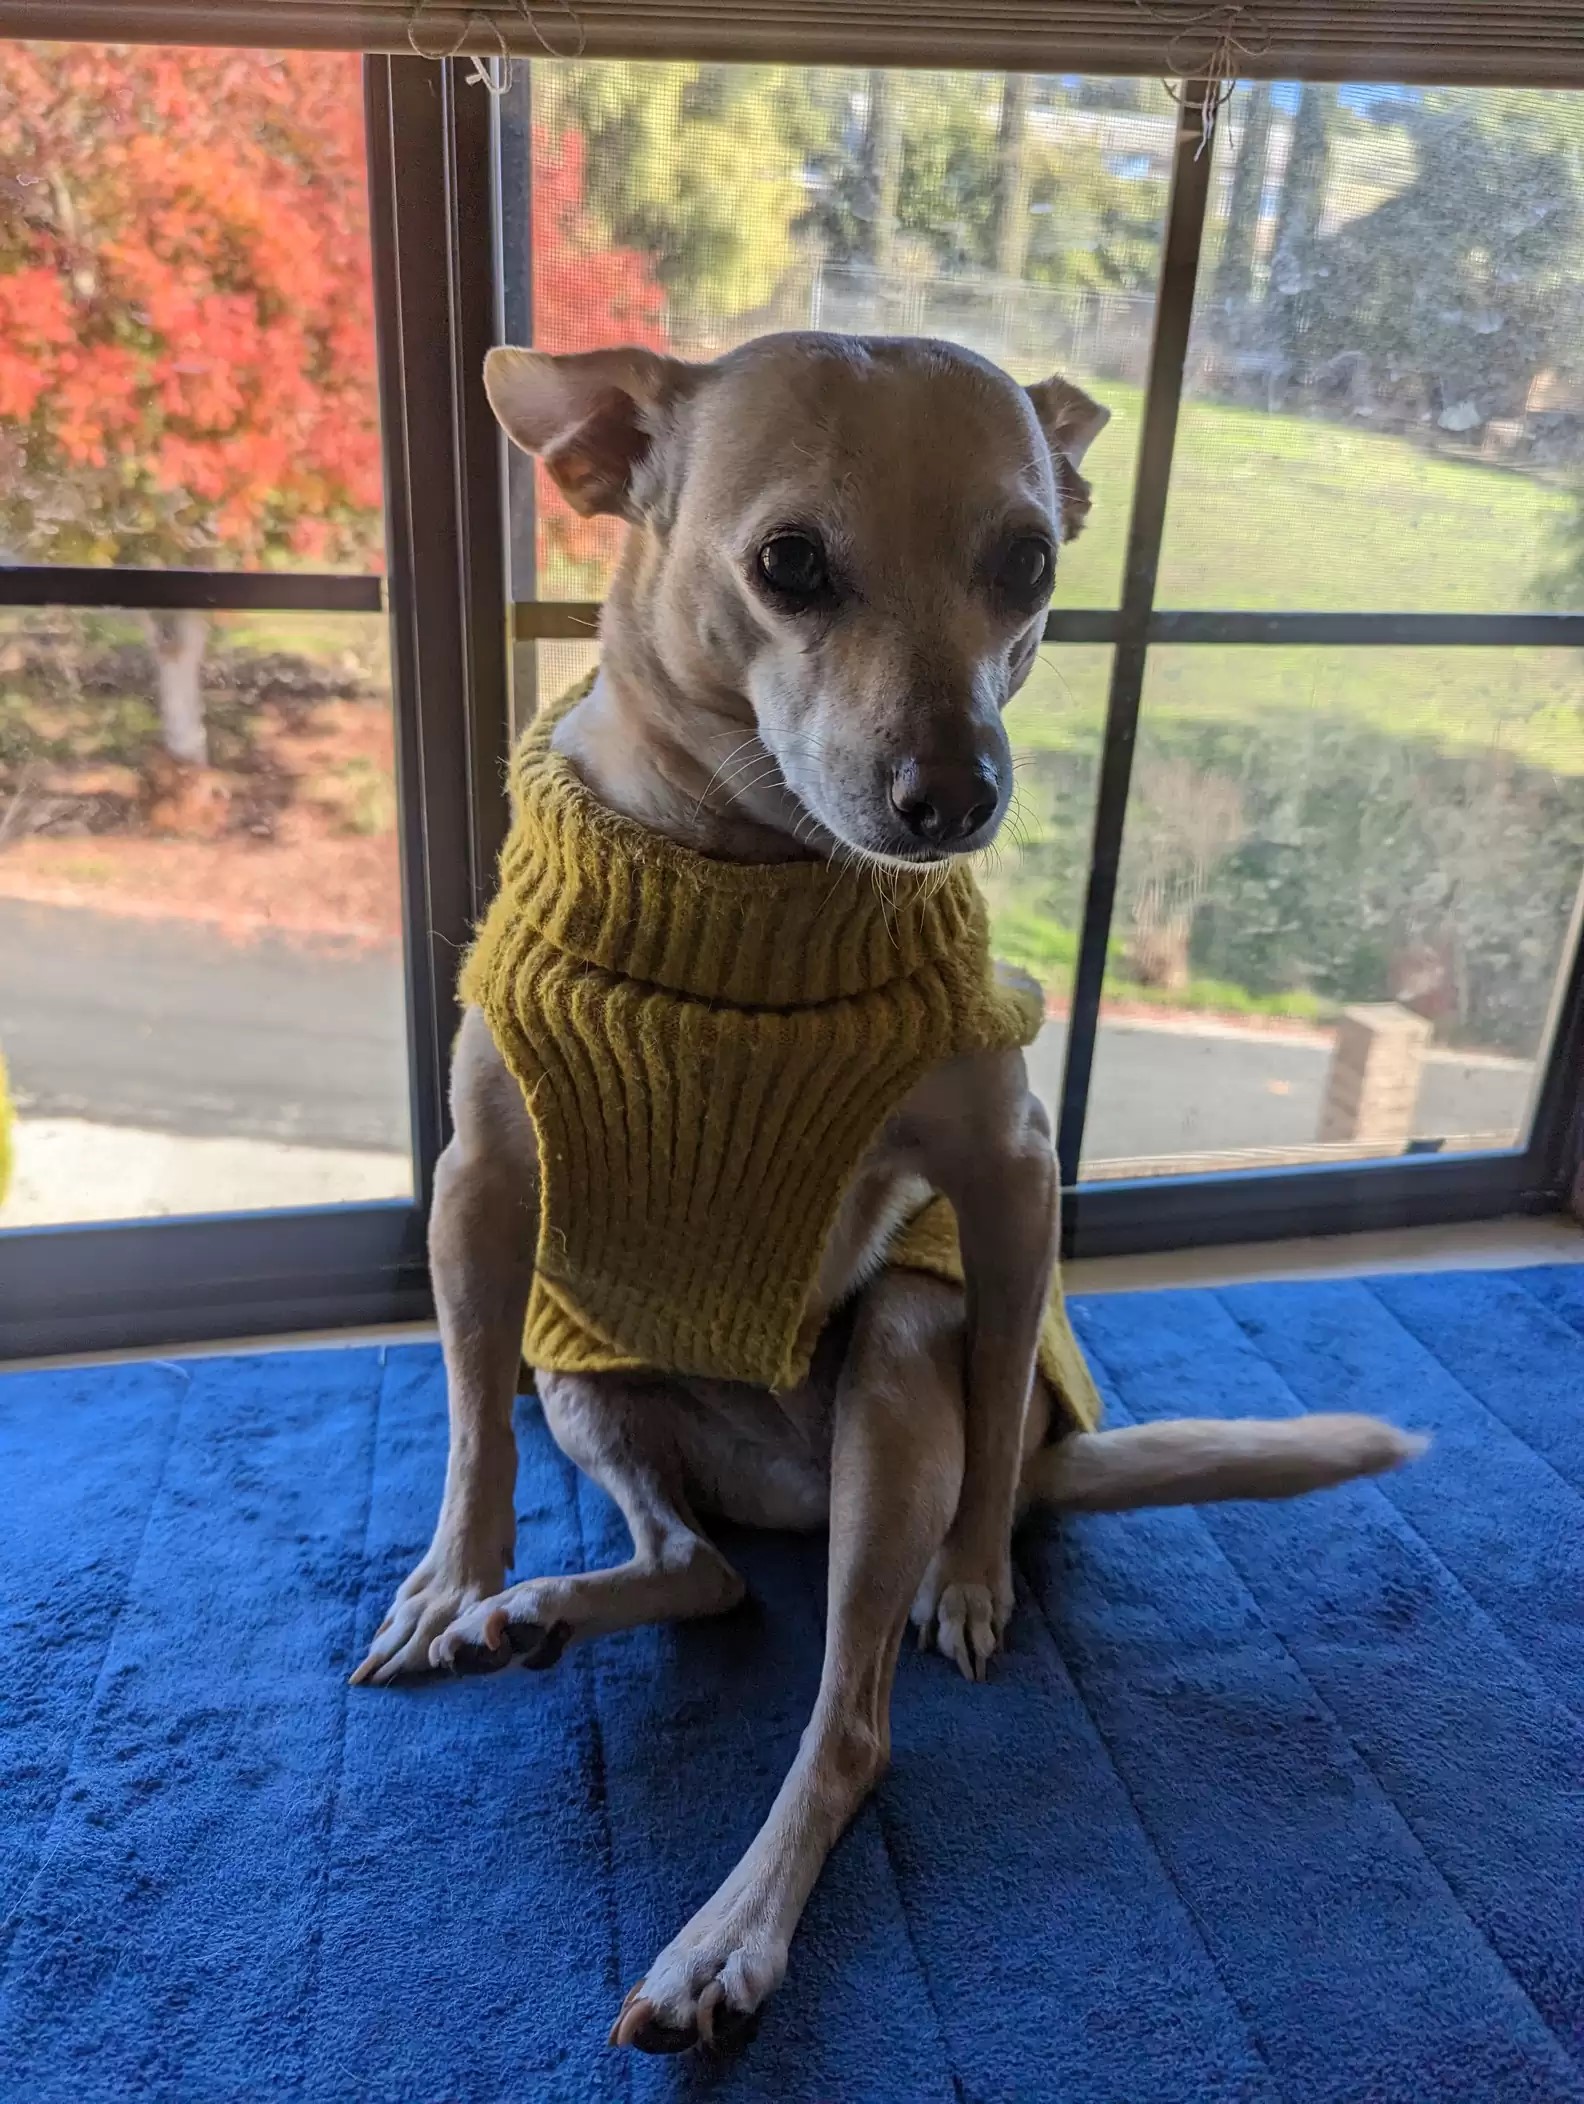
x,y
1372,1085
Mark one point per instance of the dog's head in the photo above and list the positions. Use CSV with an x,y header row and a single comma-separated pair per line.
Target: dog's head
x,y
856,537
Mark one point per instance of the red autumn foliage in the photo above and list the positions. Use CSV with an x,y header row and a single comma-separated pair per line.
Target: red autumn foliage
x,y
186,328
586,294
187,367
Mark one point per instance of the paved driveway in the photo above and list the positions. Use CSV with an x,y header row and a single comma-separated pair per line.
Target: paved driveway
x,y
167,1026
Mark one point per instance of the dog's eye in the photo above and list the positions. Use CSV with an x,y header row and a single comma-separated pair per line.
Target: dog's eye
x,y
1025,568
794,565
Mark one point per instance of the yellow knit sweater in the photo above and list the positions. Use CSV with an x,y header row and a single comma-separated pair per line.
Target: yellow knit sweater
x,y
707,1050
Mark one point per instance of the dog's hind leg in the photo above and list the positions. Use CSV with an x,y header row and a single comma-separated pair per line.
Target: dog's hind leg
x,y
613,1426
896,1469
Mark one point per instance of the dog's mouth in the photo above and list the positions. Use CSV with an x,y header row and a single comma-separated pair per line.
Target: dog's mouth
x,y
834,828
879,848
889,815
920,859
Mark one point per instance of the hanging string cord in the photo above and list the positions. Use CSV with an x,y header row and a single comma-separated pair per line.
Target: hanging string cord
x,y
1208,48
494,71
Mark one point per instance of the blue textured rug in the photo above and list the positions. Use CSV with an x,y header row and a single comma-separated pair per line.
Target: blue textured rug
x,y
1265,1802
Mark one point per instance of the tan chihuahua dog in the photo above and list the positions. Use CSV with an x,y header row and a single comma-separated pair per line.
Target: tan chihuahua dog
x,y
836,577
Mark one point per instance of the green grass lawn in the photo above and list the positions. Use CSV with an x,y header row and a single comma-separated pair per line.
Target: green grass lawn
x,y
1287,513
1281,513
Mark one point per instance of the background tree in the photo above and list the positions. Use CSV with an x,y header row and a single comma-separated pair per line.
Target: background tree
x,y
1462,287
1184,821
881,166
1011,223
983,186
1296,263
186,339
1233,282
587,292
698,167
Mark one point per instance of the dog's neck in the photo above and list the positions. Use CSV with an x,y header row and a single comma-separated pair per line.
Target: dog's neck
x,y
685,765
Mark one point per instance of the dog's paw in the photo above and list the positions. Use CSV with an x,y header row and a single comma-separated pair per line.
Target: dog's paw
x,y
705,1988
962,1615
518,1624
427,1603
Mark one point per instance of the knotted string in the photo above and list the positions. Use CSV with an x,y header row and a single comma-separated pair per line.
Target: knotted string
x,y
1232,34
495,71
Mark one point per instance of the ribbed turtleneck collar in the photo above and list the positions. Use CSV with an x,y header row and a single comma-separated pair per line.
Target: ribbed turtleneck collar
x,y
605,889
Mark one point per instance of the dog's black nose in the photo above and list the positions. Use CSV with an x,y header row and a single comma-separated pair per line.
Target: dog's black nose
x,y
945,801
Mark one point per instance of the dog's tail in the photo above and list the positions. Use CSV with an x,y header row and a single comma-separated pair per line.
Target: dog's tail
x,y
1197,1460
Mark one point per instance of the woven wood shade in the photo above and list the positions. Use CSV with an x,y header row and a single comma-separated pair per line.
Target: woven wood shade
x,y
1537,43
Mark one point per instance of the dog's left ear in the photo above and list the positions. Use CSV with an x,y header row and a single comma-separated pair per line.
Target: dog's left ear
x,y
590,416
1071,423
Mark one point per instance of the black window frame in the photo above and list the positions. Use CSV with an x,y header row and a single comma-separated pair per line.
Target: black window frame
x,y
1128,1215
254,1273
436,146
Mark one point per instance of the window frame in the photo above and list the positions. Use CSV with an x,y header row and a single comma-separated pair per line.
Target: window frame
x,y
254,1273
1128,1215
436,148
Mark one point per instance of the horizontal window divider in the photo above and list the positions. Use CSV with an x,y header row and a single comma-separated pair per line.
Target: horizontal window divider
x,y
577,620
1459,631
556,620
1083,624
129,1285
204,591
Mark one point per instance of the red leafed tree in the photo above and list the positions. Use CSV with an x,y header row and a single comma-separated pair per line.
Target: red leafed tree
x,y
586,294
186,333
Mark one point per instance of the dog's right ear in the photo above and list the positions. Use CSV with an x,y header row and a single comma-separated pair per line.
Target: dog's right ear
x,y
588,415
1071,423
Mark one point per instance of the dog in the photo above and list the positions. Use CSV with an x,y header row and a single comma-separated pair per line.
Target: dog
x,y
839,556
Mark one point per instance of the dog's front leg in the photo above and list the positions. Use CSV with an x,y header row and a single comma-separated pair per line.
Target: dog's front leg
x,y
896,1461
995,1162
482,1234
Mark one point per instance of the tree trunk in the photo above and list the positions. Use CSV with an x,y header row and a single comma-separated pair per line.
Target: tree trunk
x,y
1010,236
883,165
1302,206
180,639
1234,271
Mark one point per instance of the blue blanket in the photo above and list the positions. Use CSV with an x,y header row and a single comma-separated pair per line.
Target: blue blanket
x,y
1263,1802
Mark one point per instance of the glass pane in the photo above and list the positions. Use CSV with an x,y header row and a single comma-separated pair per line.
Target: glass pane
x,y
1385,395
555,668
691,207
1347,893
1036,873
186,323
201,989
